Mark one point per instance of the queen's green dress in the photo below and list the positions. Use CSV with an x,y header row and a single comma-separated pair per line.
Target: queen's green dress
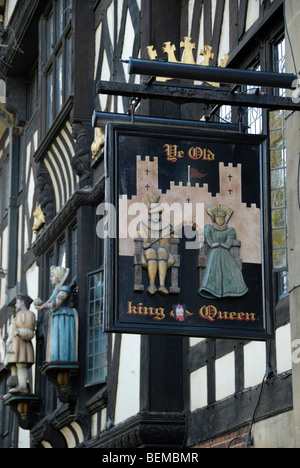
x,y
222,277
63,330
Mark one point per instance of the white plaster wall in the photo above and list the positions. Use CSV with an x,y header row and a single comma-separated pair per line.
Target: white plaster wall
x,y
224,40
283,349
128,391
24,439
194,341
198,388
9,9
225,376
252,13
254,363
276,432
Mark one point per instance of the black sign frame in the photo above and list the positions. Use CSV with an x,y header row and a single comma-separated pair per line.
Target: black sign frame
x,y
125,309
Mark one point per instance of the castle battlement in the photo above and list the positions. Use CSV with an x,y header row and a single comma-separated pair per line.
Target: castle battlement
x,y
187,194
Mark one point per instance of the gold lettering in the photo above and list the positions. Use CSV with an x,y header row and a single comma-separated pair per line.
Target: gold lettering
x,y
211,313
142,310
172,153
222,316
249,317
208,313
195,153
159,314
131,309
209,155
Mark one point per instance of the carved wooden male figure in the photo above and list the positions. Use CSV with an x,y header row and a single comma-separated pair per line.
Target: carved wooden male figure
x,y
19,348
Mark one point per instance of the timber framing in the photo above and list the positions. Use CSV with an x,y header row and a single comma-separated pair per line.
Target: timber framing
x,y
181,94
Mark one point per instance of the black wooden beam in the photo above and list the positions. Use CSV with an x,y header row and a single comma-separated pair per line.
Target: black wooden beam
x,y
202,95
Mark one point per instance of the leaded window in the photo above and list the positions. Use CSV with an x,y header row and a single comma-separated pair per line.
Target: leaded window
x,y
97,339
56,48
278,163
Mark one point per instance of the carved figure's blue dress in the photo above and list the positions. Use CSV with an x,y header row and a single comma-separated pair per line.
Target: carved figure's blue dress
x,y
222,278
63,330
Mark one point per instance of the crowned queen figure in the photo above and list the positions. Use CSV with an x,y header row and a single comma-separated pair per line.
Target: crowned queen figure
x,y
222,278
62,342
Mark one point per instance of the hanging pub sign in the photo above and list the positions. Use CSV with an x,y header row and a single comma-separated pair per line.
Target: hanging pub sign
x,y
186,233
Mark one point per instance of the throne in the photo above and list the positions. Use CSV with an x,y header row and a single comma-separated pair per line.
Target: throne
x,y
138,266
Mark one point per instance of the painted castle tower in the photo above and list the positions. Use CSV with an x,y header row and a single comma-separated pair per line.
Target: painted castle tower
x,y
193,200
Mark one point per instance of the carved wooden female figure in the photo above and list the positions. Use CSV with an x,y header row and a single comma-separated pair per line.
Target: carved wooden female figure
x,y
62,343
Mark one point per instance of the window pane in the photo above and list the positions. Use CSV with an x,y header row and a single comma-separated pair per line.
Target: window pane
x,y
49,109
278,218
50,262
62,254
74,252
49,35
276,139
97,340
283,285
68,67
254,115
225,114
276,119
67,11
32,94
278,178
279,238
59,83
59,18
279,259
6,187
278,198
278,158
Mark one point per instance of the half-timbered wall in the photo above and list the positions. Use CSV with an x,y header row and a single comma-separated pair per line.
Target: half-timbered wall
x,y
117,38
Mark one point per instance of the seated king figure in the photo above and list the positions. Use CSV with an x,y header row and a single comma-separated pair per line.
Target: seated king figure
x,y
156,257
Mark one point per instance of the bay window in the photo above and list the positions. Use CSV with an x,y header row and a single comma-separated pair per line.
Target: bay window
x,y
55,54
